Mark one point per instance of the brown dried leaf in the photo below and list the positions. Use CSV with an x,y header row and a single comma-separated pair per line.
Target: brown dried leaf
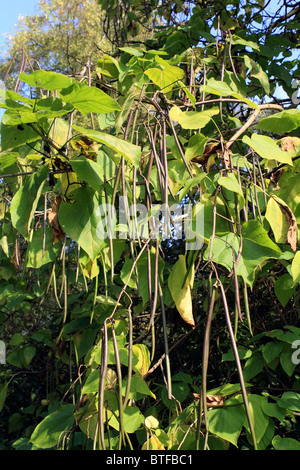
x,y
214,400
209,150
292,231
292,223
58,233
275,177
290,145
211,400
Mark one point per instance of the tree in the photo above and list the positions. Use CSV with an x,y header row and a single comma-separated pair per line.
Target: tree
x,y
172,220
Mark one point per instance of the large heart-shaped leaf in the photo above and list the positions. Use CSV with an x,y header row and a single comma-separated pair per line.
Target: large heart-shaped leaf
x,y
81,220
267,148
219,88
48,432
89,171
279,123
46,80
89,99
26,199
131,152
192,119
181,290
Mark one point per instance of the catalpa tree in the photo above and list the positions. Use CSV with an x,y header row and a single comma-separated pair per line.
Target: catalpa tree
x,y
149,236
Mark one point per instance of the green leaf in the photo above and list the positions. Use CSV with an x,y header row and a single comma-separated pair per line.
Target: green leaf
x,y
273,410
28,353
180,391
295,268
191,183
235,39
253,366
244,353
286,361
3,394
132,51
142,355
259,418
216,87
192,119
7,159
189,95
138,387
284,288
12,137
80,219
231,183
46,80
165,75
257,248
36,256
285,443
89,171
132,419
89,99
51,429
280,123
16,339
11,100
21,356
195,147
25,200
227,422
267,148
277,220
258,73
290,401
91,384
271,350
131,152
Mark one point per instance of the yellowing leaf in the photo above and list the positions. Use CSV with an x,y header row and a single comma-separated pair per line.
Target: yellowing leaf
x,y
142,354
295,268
151,422
153,444
164,75
131,152
267,148
277,221
192,119
181,291
290,223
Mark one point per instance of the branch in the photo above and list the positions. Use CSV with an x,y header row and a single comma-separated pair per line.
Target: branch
x,y
283,18
251,120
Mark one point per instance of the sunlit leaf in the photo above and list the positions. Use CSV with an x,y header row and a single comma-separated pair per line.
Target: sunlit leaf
x,y
192,119
46,80
26,199
267,148
131,152
89,99
279,123
181,290
80,220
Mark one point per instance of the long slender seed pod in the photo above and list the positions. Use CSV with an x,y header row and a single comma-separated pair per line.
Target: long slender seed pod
x,y
120,399
238,363
168,366
129,373
205,365
103,369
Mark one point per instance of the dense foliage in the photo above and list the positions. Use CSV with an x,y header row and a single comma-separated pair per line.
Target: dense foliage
x,y
150,212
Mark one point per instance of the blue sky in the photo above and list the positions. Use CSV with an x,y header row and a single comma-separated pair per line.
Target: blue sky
x,y
10,11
